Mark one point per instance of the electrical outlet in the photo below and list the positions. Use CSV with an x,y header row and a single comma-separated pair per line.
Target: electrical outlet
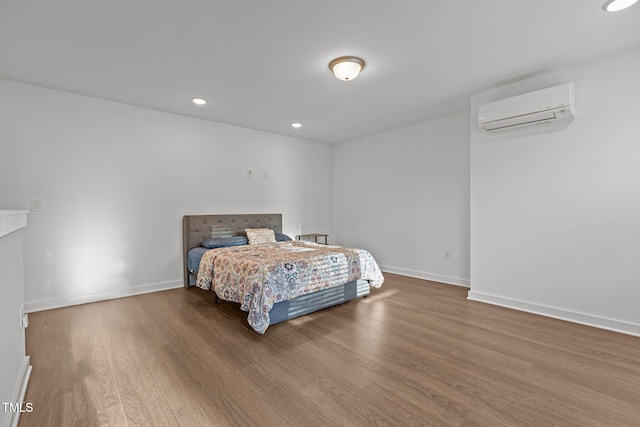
x,y
36,205
249,173
447,254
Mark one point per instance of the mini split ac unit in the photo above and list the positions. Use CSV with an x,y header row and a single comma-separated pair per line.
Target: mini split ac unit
x,y
554,105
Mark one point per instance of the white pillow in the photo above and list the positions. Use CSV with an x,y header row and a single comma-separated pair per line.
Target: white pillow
x,y
259,236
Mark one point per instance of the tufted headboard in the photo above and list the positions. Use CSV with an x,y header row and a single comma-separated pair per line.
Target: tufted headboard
x,y
196,228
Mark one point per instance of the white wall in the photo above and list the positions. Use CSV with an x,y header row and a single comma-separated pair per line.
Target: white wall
x,y
555,218
115,181
404,196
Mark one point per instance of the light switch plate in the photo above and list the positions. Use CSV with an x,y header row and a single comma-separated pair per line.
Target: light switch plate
x,y
36,205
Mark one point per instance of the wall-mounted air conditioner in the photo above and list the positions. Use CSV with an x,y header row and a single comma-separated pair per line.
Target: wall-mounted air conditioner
x,y
554,105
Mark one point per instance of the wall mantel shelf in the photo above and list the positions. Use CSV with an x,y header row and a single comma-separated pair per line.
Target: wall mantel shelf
x,y
15,366
11,221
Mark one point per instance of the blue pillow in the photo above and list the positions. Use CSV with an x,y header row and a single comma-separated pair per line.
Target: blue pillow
x,y
223,242
282,237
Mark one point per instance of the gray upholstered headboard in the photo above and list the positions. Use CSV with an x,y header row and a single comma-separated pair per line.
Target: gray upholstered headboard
x,y
196,228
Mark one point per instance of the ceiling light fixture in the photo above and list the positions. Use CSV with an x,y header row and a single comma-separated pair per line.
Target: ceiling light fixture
x,y
296,125
199,101
346,68
616,5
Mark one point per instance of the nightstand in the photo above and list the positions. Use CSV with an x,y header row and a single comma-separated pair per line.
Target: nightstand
x,y
313,236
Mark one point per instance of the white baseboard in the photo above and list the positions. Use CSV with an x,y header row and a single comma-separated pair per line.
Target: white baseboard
x,y
426,276
20,388
30,307
558,313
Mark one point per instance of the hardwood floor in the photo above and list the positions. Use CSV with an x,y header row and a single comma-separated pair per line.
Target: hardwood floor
x,y
412,353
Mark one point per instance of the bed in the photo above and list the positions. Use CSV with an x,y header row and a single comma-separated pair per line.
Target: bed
x,y
273,282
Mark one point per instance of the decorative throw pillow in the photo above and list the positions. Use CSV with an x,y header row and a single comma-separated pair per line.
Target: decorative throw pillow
x,y
259,236
221,232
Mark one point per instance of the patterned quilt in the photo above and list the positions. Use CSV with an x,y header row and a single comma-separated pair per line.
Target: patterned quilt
x,y
258,276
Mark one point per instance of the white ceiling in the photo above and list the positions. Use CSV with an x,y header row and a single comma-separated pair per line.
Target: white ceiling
x,y
262,64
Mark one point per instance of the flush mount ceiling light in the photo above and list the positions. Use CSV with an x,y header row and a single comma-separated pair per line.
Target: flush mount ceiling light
x,y
346,68
296,125
199,101
616,5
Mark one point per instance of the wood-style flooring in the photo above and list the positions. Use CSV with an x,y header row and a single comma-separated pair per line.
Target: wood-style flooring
x,y
412,353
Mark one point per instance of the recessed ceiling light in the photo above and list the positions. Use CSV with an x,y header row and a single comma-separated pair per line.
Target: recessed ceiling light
x,y
199,101
296,125
616,5
346,67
